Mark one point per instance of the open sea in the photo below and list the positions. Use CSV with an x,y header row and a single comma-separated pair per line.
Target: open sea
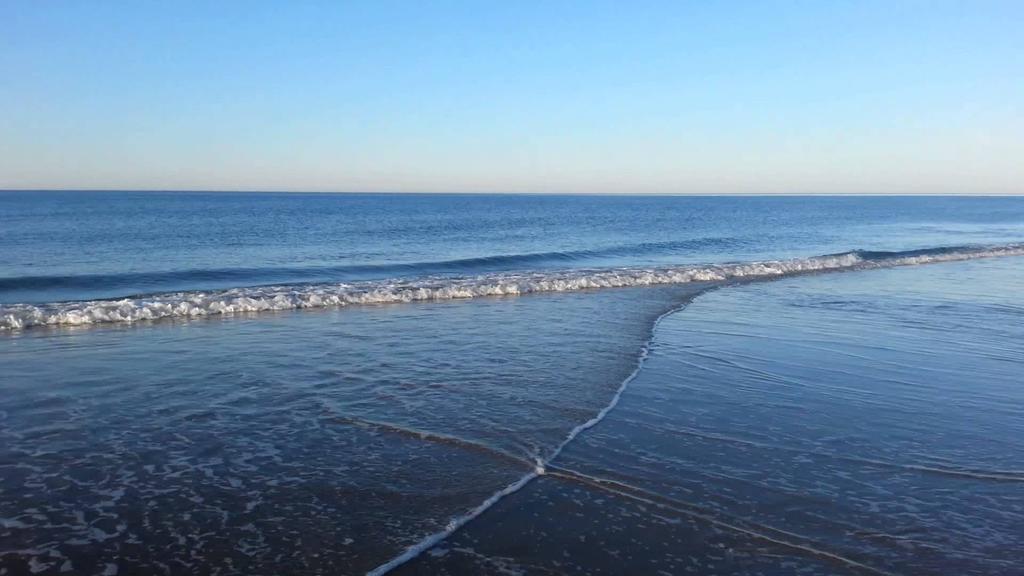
x,y
268,384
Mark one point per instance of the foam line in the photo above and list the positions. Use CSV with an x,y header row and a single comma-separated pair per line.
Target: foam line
x,y
432,540
645,352
540,468
270,298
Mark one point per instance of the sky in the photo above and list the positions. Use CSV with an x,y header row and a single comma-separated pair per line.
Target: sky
x,y
488,96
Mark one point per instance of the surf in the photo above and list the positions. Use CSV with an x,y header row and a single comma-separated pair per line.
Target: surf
x,y
195,304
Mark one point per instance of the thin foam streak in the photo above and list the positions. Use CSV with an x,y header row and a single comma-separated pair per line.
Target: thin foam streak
x,y
653,499
539,470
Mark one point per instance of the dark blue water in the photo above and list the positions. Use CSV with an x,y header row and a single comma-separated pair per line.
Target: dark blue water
x,y
84,245
340,384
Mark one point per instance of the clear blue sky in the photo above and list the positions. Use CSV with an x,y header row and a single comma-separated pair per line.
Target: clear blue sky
x,y
679,97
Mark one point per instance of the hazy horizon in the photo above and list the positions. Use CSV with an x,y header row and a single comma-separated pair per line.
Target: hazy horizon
x,y
574,98
491,193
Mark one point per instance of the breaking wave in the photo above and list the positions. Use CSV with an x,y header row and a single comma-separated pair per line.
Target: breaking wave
x,y
294,274
242,300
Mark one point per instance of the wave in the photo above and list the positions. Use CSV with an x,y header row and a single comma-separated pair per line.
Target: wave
x,y
306,274
274,298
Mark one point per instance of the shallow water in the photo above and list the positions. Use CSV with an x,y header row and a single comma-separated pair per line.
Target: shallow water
x,y
862,423
861,414
313,441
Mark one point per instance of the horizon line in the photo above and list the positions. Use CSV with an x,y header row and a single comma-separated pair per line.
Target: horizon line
x,y
504,193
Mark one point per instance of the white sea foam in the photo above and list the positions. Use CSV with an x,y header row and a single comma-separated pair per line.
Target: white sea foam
x,y
242,300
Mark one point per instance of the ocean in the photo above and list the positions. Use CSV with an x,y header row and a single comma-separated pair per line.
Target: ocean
x,y
234,383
